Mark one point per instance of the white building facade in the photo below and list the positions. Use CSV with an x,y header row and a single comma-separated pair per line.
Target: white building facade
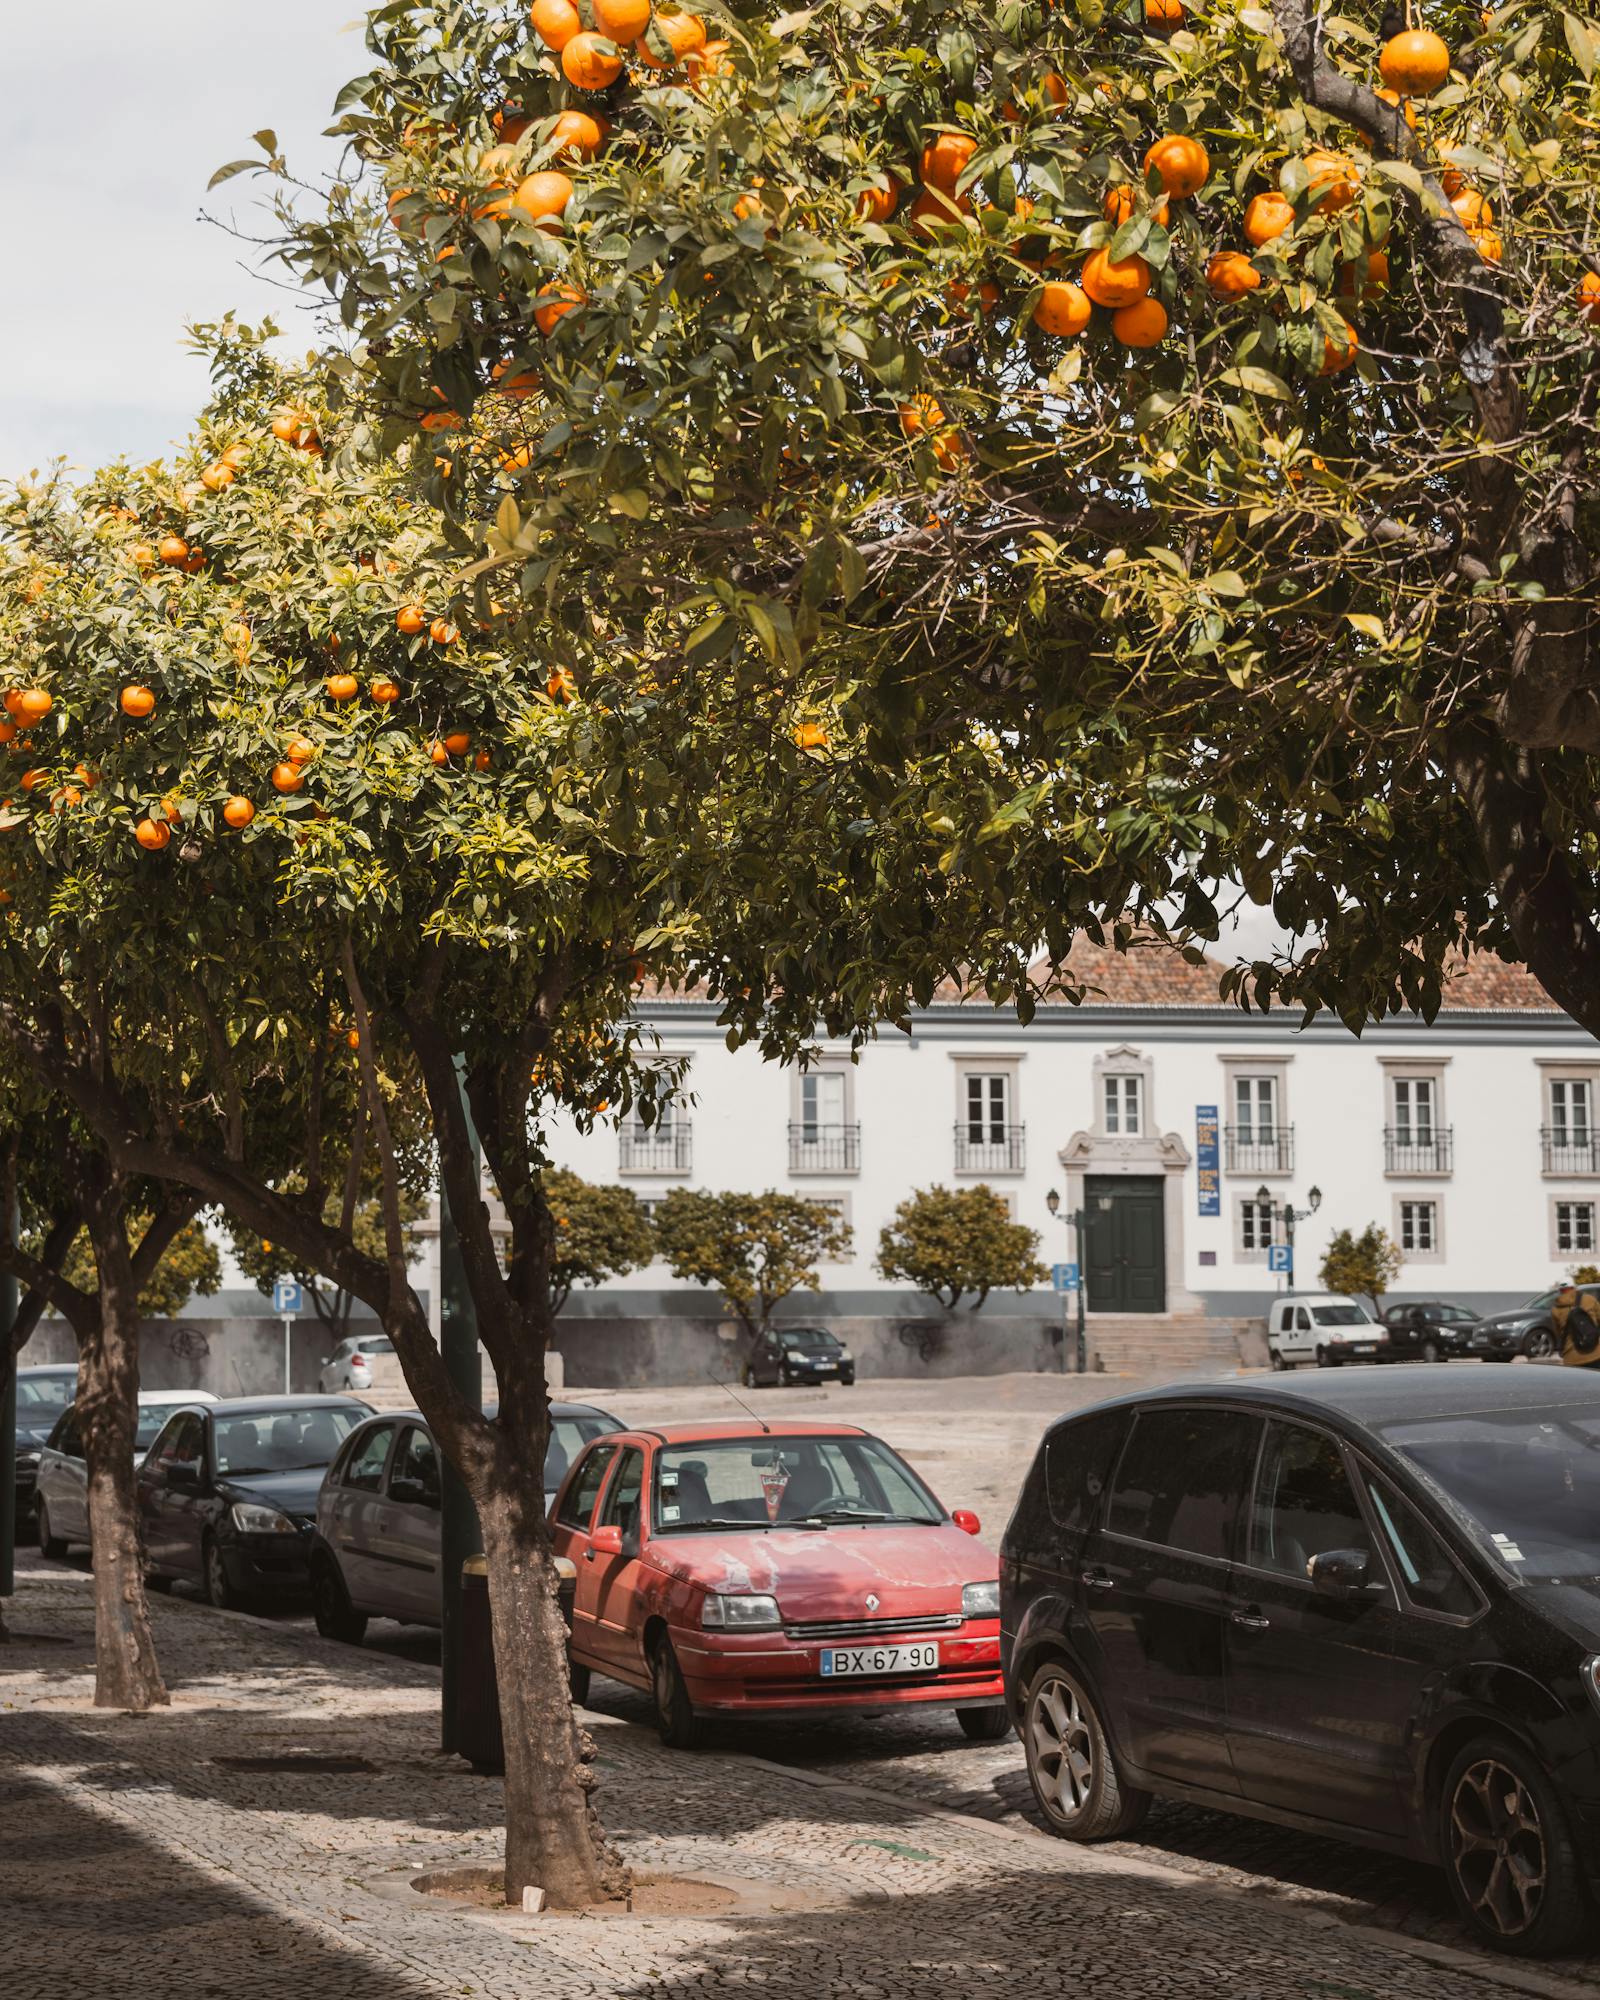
x,y
1180,1127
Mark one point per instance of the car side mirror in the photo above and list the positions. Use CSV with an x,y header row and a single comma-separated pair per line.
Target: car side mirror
x,y
184,1476
606,1541
967,1521
1339,1571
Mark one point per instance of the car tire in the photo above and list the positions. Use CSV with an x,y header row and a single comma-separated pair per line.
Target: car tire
x,y
337,1618
1431,1351
1508,1852
1540,1343
155,1580
578,1678
848,1381
1279,1365
50,1546
220,1593
680,1728
984,1725
1080,1791
1324,1358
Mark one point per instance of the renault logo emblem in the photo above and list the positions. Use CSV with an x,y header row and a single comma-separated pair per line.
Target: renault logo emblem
x,y
872,1602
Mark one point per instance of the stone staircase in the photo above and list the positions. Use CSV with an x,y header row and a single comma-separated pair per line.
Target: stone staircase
x,y
1181,1344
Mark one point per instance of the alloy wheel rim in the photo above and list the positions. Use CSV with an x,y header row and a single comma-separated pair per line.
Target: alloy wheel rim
x,y
1061,1747
1539,1345
1497,1848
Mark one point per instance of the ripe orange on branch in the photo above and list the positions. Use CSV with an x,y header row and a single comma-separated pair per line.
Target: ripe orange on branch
x,y
238,812
575,132
1063,307
543,195
152,834
1121,205
945,159
682,33
299,750
1114,283
1415,62
624,21
173,550
33,705
1181,163
410,619
553,303
383,692
343,687
1143,324
1335,180
137,701
555,22
878,204
591,62
1336,357
1267,217
1589,297
288,777
1230,274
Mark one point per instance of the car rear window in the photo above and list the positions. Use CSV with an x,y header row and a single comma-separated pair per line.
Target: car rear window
x,y
282,1440
1078,1460
1183,1477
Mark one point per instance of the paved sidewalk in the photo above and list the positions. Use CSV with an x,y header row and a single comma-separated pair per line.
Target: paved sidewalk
x,y
137,1860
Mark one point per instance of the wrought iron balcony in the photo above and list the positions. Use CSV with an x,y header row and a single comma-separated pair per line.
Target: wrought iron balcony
x,y
985,1148
1570,1149
1419,1149
824,1149
1258,1149
656,1149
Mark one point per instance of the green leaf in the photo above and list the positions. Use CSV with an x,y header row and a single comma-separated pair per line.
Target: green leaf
x,y
1259,382
633,502
234,167
1368,626
1581,42
1401,172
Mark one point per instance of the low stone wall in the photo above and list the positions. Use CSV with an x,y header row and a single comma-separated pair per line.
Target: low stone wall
x,y
230,1357
675,1351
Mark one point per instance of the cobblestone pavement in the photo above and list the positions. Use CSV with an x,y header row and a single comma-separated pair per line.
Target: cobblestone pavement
x,y
140,1857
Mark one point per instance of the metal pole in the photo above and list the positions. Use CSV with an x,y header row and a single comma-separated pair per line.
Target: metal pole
x,y
1288,1227
1080,1244
459,1536
288,1323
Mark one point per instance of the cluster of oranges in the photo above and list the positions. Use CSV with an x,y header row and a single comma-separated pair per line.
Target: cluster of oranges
x,y
411,620
593,59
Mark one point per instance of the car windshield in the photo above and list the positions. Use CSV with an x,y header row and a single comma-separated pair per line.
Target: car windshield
x,y
1530,1479
376,1346
568,1436
808,1340
1339,1316
152,1421
282,1440
37,1394
758,1482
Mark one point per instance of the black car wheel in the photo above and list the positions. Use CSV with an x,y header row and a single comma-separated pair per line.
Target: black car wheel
x,y
1540,1344
1070,1766
1508,1852
1430,1351
336,1616
1279,1365
1324,1358
219,1591
847,1378
50,1545
676,1720
984,1725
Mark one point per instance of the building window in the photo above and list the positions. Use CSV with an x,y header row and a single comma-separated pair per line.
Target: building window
x,y
1419,1227
1569,1137
1258,1141
823,1139
988,1138
1254,1237
1415,1141
838,1206
1574,1227
1124,1107
666,1147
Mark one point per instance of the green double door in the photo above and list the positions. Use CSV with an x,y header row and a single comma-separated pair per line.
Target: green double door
x,y
1125,1254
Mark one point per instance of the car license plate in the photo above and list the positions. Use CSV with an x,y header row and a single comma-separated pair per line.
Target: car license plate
x,y
837,1661
1365,1347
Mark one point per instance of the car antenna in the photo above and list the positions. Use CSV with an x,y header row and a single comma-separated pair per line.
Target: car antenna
x,y
766,1428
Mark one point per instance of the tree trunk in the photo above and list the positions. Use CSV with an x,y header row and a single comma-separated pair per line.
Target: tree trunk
x,y
553,1836
126,1671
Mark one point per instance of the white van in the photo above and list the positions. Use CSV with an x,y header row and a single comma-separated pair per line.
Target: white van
x,y
1325,1328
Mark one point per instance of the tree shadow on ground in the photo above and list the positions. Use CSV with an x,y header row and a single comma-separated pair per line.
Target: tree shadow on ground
x,y
93,1910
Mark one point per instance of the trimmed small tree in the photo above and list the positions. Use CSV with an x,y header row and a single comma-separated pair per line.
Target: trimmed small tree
x,y
951,1242
601,1233
756,1249
1363,1266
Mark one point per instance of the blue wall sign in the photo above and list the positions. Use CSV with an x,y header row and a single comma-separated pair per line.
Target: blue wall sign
x,y
287,1297
1065,1277
1280,1258
1207,1159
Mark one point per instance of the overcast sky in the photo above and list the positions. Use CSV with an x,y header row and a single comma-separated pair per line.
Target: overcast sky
x,y
116,117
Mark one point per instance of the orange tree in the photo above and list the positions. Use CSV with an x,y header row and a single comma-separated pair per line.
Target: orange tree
x,y
290,804
1200,398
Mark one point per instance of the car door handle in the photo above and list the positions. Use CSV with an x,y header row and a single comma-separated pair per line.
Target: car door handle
x,y
1097,1579
588,1555
1252,1620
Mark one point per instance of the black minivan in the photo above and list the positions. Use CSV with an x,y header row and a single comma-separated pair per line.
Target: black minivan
x,y
1366,1604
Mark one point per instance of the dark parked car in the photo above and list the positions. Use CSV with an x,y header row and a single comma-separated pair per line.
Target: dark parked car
x,y
1429,1330
788,1355
42,1394
227,1494
1365,1604
375,1552
1525,1330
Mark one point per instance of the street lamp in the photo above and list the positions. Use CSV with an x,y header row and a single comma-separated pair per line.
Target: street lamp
x,y
1074,1221
1291,1215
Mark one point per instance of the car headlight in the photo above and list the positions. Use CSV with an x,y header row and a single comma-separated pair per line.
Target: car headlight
x,y
981,1600
253,1520
740,1614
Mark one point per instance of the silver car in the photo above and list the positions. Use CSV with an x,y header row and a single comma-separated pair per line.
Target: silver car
x,y
375,1551
363,1365
61,1506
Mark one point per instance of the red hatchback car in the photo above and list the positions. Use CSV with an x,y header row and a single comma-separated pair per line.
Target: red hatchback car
x,y
783,1569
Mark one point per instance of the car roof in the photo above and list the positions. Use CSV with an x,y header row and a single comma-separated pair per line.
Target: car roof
x,y
250,1406
556,1410
1377,1395
736,1429
176,1396
47,1368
